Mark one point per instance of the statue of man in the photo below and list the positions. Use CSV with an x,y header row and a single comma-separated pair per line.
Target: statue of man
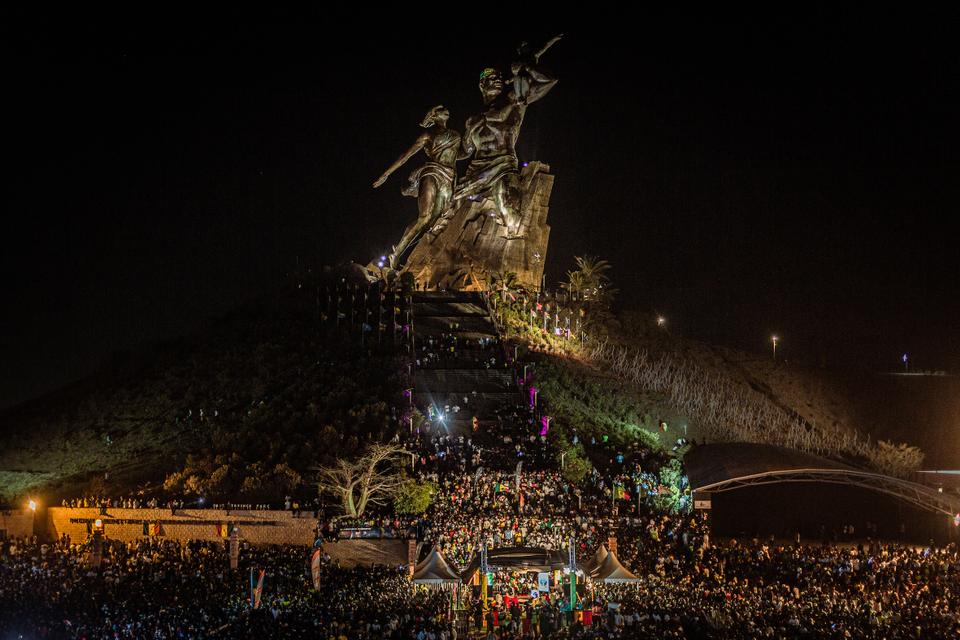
x,y
490,138
432,184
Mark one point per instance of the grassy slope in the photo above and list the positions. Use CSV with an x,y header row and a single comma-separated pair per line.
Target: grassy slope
x,y
592,396
282,394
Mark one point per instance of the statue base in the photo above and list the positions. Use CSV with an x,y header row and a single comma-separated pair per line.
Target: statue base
x,y
473,247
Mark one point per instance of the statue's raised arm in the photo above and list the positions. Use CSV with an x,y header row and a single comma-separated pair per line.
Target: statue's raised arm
x,y
530,82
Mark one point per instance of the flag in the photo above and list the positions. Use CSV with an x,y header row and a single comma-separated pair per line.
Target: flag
x,y
223,530
620,492
315,568
155,529
256,591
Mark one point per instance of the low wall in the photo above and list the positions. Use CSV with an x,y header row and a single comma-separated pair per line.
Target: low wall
x,y
256,527
17,523
350,553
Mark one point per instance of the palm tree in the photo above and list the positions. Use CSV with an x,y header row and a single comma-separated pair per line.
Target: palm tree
x,y
593,274
575,284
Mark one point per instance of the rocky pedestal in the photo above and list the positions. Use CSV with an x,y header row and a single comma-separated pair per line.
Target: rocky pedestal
x,y
473,247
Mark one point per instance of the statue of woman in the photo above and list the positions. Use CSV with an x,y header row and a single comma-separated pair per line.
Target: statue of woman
x,y
433,183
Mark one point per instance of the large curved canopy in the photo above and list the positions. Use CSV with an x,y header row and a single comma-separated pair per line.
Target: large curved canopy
x,y
724,467
518,559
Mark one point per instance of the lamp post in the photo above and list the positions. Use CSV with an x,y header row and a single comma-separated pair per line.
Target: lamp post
x,y
775,340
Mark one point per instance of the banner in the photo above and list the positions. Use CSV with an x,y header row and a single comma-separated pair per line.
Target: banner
x,y
257,591
543,582
315,568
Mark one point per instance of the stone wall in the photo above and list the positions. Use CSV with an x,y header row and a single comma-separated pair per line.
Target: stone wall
x,y
17,523
256,527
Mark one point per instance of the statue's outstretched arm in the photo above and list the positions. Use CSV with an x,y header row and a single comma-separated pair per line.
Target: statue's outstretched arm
x,y
409,153
544,48
539,85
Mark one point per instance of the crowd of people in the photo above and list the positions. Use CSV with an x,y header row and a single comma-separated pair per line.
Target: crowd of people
x,y
168,589
499,485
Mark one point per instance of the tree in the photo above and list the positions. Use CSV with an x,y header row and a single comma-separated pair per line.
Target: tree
x,y
373,478
575,284
575,468
414,497
593,273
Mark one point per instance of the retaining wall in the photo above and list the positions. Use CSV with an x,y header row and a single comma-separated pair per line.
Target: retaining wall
x,y
17,523
256,527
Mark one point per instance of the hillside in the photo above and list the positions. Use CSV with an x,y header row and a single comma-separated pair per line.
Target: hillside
x,y
637,379
244,408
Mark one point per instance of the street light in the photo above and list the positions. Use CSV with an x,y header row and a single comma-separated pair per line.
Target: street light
x,y
32,505
661,321
774,339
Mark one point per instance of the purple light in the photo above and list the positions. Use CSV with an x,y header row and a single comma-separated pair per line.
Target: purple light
x,y
545,425
533,396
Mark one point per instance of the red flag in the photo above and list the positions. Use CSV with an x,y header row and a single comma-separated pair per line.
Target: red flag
x,y
315,569
258,591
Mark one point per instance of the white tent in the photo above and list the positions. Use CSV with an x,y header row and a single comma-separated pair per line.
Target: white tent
x,y
593,564
610,570
434,570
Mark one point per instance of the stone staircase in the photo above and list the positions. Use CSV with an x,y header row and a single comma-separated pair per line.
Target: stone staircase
x,y
465,378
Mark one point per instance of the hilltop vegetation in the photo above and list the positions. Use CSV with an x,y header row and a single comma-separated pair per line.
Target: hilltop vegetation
x,y
247,407
243,409
628,378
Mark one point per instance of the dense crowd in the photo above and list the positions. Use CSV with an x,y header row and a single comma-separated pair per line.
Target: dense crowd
x,y
499,485
166,589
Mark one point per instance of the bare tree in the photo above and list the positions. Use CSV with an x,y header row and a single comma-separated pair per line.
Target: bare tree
x,y
373,478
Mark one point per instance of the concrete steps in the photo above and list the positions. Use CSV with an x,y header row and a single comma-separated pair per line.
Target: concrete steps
x,y
447,381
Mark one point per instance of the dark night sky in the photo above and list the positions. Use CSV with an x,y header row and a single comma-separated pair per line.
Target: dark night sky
x,y
784,178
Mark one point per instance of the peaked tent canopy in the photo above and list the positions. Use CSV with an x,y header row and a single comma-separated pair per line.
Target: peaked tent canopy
x,y
594,563
610,570
434,570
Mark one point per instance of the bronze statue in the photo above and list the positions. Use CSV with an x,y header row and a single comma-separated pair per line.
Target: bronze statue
x,y
490,138
433,183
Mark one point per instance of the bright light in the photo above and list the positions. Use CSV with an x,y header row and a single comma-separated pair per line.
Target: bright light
x,y
32,505
98,523
661,321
